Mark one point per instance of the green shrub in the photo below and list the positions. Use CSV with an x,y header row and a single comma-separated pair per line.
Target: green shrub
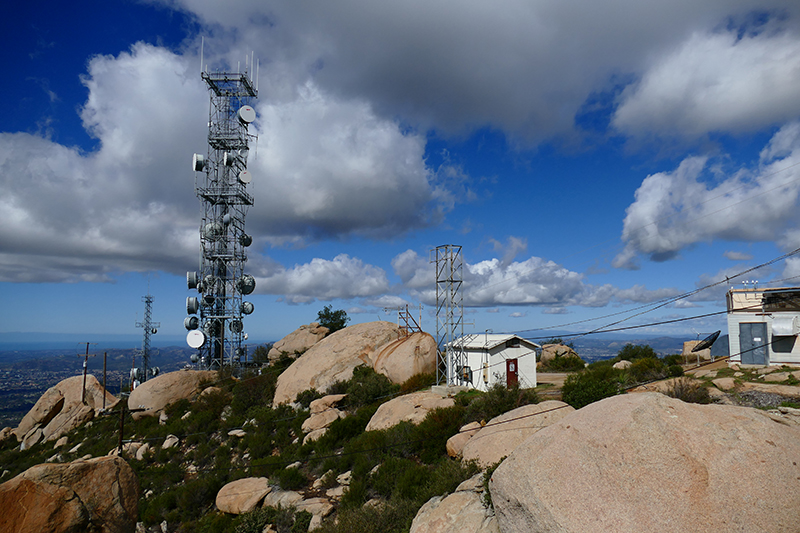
x,y
688,390
631,352
647,369
591,385
675,371
253,392
307,396
291,479
367,386
675,359
417,382
496,401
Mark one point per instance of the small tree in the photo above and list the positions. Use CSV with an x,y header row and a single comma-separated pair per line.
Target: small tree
x,y
631,352
333,320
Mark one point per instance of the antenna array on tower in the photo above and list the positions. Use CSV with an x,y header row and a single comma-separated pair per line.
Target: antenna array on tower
x,y
215,315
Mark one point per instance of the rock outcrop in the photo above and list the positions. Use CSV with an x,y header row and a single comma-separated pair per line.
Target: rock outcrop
x,y
646,462
551,351
334,358
99,495
298,341
504,433
412,408
323,414
243,495
461,511
156,393
407,356
60,410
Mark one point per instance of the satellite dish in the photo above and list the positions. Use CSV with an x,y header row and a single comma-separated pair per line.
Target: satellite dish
x,y
191,280
212,230
245,176
245,240
192,305
154,331
195,338
246,114
247,284
191,322
247,308
706,343
194,358
236,326
245,336
198,162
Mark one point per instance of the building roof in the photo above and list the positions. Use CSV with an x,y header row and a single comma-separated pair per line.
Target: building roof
x,y
484,341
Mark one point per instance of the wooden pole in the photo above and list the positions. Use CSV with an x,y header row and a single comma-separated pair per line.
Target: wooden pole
x,y
105,355
121,426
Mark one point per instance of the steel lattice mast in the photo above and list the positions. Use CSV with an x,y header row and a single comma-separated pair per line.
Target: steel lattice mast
x,y
150,328
221,185
449,313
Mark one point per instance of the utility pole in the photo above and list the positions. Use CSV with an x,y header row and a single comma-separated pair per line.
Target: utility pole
x,y
85,365
105,356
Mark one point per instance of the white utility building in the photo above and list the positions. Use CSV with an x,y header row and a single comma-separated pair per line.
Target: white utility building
x,y
763,326
490,357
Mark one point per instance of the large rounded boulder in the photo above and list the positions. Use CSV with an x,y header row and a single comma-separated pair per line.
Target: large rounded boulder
x,y
412,408
98,495
334,358
156,393
62,408
407,356
646,462
504,433
298,341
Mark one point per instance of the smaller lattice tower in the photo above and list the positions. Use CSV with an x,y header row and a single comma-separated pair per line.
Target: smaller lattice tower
x,y
150,328
449,313
221,179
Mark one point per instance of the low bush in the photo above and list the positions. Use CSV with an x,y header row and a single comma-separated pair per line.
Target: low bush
x,y
647,369
632,352
591,385
417,382
675,371
689,391
496,401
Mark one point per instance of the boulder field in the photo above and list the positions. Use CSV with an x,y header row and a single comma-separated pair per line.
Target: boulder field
x,y
647,462
381,345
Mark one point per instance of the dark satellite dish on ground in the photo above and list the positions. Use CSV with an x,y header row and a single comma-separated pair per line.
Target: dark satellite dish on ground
x,y
706,343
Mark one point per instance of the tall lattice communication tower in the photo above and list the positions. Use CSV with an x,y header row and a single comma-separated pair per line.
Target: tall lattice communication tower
x,y
449,313
221,181
150,328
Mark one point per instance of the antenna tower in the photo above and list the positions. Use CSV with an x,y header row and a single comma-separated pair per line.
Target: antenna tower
x,y
150,328
449,313
221,180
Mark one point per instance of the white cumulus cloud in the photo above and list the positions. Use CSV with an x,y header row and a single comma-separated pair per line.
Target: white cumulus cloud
x,y
674,210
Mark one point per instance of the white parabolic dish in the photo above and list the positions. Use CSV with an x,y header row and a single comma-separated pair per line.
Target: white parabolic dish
x,y
247,114
195,338
245,177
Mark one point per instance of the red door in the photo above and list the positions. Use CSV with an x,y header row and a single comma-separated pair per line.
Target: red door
x,y
511,372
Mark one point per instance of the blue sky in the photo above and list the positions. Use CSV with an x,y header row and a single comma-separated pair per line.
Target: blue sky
x,y
590,159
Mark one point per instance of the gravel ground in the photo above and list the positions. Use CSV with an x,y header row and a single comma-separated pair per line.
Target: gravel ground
x,y
762,399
